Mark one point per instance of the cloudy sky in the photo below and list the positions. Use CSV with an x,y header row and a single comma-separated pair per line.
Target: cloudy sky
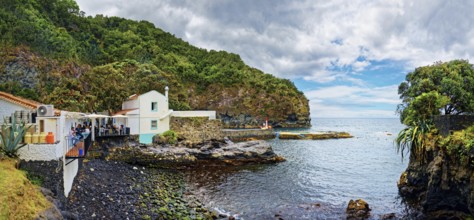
x,y
348,57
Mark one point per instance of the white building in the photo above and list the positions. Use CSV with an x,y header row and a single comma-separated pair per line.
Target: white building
x,y
149,114
57,122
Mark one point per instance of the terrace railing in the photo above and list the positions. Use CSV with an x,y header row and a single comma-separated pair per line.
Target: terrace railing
x,y
78,148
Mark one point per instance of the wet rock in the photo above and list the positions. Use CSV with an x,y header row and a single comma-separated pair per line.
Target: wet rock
x,y
440,188
52,213
217,152
358,209
388,216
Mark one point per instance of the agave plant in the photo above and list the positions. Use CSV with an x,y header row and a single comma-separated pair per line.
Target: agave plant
x,y
11,136
412,139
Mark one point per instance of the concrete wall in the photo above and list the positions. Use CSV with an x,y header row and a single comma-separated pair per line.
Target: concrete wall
x,y
210,114
41,152
248,134
60,126
133,123
130,104
69,173
196,130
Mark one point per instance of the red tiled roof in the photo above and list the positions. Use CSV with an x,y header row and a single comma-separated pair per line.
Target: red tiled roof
x,y
123,112
27,103
19,101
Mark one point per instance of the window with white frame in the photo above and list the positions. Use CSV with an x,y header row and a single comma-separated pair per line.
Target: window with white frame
x,y
154,106
154,124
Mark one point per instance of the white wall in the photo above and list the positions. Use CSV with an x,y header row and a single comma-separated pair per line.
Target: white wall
x,y
41,152
69,173
130,104
133,123
47,152
7,108
146,115
189,114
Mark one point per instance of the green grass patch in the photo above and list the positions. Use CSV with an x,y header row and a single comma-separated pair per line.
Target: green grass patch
x,y
19,198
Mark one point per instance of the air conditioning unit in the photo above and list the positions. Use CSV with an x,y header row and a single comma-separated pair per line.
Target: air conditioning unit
x,y
45,111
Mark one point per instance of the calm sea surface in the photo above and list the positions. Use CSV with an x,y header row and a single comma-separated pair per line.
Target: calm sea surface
x,y
318,178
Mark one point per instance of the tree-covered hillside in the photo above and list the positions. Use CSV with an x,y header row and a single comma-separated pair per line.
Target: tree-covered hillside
x,y
51,52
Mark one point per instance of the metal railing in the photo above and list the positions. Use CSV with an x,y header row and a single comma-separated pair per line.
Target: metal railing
x,y
78,148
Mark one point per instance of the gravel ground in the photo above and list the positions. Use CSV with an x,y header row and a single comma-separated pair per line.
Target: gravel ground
x,y
116,190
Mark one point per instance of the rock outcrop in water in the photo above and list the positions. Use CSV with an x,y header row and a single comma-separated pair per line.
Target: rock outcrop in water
x,y
212,152
443,187
358,209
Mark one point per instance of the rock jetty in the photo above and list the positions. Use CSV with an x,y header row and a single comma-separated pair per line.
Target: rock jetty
x,y
222,152
314,136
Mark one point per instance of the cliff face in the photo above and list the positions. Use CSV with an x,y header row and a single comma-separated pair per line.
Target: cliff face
x,y
249,107
442,187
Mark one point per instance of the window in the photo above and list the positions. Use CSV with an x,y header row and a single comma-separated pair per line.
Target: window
x,y
154,106
154,124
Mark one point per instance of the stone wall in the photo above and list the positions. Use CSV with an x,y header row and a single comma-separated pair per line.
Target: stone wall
x,y
196,130
248,134
447,123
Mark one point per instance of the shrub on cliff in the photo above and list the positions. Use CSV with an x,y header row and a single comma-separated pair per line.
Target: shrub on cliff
x,y
167,137
413,138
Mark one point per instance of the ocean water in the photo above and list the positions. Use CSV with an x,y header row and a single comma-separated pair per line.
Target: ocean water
x,y
317,180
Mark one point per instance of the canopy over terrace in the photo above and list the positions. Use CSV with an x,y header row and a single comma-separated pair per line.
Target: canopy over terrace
x,y
95,116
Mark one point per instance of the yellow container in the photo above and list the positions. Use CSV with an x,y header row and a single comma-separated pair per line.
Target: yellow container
x,y
35,138
42,138
28,138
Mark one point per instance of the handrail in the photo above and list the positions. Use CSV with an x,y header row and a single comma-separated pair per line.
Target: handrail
x,y
79,149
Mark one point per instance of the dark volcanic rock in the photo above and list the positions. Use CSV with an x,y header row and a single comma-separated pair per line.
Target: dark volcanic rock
x,y
441,188
216,152
115,190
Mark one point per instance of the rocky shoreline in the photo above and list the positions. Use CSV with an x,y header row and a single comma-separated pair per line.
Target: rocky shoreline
x,y
133,181
214,152
116,190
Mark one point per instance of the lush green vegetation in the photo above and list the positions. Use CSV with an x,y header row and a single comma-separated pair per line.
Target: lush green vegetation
x,y
19,199
170,137
413,139
89,63
440,89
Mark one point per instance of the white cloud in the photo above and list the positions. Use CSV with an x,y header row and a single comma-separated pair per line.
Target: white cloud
x,y
322,41
353,101
295,39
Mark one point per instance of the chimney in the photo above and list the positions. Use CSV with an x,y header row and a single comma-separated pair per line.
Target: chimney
x,y
166,91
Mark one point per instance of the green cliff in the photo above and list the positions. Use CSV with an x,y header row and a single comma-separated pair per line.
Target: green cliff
x,y
51,52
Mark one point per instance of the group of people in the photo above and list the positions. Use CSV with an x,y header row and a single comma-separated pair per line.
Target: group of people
x,y
76,134
111,129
